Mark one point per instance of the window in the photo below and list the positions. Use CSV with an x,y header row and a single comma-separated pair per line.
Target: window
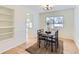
x,y
58,22
54,22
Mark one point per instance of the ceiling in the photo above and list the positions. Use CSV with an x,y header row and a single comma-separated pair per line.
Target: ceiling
x,y
39,9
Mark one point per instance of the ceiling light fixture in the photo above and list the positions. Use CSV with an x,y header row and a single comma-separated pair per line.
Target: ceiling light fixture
x,y
47,7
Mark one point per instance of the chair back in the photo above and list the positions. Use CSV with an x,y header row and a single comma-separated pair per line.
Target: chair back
x,y
56,34
54,37
39,33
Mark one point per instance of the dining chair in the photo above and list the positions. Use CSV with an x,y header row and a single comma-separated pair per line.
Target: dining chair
x,y
52,40
40,36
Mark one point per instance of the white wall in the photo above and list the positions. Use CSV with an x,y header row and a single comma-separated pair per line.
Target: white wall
x,y
34,16
35,23
36,9
76,26
68,14
19,25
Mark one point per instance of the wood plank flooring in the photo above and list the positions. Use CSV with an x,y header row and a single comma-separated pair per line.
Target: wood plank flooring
x,y
69,47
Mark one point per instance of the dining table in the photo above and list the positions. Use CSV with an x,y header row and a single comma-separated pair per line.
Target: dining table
x,y
47,35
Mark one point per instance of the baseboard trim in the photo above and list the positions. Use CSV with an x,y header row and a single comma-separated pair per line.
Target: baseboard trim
x,y
77,43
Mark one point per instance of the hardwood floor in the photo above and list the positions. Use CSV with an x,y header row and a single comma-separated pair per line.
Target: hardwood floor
x,y
69,47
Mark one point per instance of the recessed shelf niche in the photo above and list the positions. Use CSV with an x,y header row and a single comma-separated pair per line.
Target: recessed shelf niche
x,y
6,23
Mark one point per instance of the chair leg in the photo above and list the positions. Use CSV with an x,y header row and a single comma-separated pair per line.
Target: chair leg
x,y
39,43
57,44
45,44
51,47
55,47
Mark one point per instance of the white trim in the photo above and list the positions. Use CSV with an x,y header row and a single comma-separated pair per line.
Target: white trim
x,y
77,43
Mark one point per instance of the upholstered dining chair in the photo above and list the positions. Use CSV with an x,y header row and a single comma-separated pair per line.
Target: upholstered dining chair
x,y
40,36
52,40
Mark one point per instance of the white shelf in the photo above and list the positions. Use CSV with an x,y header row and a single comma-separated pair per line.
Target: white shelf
x,y
6,21
7,27
6,33
6,14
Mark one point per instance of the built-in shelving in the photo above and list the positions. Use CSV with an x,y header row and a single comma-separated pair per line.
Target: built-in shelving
x,y
6,33
6,23
7,27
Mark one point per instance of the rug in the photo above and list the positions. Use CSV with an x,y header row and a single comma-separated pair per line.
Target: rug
x,y
34,49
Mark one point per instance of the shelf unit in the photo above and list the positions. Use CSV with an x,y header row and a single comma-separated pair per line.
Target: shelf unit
x,y
6,23
7,27
6,33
